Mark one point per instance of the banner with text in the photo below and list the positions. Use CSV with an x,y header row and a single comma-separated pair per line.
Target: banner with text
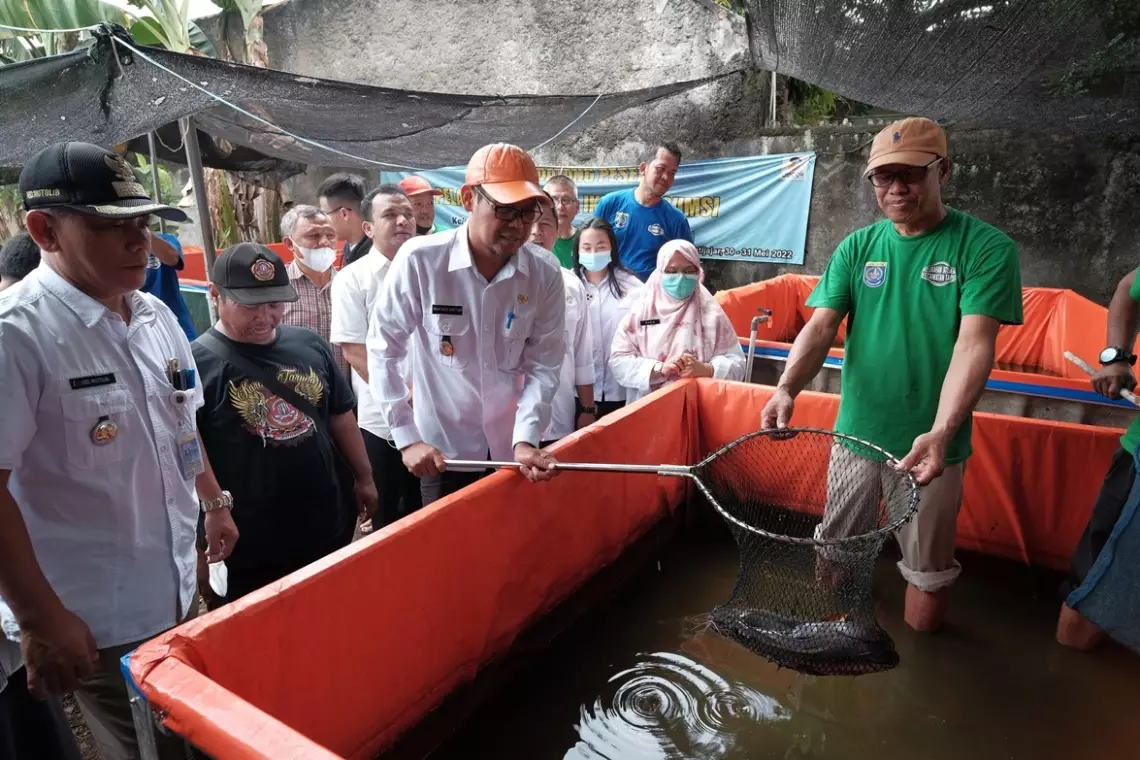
x,y
744,209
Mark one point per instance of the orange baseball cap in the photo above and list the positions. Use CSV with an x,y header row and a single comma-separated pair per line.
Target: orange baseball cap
x,y
413,185
915,141
505,172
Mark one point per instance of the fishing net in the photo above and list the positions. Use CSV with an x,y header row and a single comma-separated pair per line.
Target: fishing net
x,y
810,510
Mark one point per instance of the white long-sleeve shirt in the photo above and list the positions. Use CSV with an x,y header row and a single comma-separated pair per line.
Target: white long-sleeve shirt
x,y
635,372
488,354
578,366
606,312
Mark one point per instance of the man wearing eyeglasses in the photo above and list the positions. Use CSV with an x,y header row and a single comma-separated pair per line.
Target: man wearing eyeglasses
x,y
564,192
482,310
926,290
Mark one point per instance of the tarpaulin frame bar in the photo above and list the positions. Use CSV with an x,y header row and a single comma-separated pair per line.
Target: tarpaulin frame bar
x,y
198,178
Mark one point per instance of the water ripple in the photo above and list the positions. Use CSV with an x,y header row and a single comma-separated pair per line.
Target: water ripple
x,y
668,707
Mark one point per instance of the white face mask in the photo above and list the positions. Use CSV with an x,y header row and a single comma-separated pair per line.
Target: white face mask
x,y
317,259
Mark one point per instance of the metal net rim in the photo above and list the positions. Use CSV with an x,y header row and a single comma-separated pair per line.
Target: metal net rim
x,y
907,516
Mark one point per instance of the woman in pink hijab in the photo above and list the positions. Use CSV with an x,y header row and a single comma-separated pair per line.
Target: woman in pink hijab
x,y
675,328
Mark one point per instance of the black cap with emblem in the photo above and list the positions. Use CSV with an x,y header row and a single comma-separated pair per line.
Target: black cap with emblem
x,y
90,179
252,274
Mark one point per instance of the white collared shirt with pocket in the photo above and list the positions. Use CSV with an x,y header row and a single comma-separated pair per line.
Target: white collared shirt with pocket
x,y
111,518
354,293
487,354
578,365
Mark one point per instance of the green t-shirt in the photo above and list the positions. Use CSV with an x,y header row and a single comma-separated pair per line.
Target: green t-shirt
x,y
564,252
1132,436
904,298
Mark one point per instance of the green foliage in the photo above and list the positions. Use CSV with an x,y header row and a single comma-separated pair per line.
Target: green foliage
x,y
248,9
1106,68
166,189
227,233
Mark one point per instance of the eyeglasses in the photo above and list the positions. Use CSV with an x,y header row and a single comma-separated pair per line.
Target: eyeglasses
x,y
563,201
911,175
511,213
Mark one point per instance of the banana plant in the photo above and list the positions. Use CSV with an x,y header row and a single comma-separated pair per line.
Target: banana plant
x,y
165,23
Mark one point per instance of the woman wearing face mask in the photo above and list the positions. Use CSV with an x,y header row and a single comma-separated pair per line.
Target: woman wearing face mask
x,y
675,328
610,289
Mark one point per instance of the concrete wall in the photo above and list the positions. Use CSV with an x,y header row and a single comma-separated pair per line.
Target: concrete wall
x,y
1067,202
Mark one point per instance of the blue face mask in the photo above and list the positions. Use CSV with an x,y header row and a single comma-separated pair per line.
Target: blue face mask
x,y
680,286
594,262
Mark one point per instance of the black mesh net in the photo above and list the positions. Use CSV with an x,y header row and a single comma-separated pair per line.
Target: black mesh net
x,y
810,512
1047,65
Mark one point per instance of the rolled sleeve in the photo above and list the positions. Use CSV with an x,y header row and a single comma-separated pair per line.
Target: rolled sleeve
x,y
393,322
543,354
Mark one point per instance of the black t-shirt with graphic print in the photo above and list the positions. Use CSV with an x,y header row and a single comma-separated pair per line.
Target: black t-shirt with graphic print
x,y
279,466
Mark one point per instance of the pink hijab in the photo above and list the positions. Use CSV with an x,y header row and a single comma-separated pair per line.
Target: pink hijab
x,y
697,325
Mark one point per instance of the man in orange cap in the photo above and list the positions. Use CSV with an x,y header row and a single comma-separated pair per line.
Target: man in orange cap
x,y
931,285
422,195
482,310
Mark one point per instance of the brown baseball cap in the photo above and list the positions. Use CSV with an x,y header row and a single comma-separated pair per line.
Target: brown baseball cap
x,y
915,141
505,172
413,185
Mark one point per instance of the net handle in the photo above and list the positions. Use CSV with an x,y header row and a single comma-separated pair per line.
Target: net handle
x,y
1125,394
675,470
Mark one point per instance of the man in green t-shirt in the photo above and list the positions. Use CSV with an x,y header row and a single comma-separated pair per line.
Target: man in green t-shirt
x,y
564,192
924,292
1115,375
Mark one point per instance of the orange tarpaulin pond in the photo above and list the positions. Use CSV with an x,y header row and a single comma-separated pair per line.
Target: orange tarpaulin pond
x,y
1056,321
342,657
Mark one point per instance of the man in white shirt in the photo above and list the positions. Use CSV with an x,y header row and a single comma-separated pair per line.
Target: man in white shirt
x,y
573,405
389,221
100,458
483,312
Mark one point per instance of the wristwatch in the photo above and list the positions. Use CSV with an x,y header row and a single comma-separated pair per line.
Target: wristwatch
x,y
1116,355
225,501
588,410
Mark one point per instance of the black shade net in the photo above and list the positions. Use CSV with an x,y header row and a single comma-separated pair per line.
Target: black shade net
x,y
810,513
95,96
1048,65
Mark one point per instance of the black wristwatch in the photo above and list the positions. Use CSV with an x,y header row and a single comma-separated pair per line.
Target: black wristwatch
x,y
1115,355
588,410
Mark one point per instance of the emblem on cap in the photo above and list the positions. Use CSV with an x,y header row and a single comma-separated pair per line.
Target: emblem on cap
x,y
127,186
104,432
897,136
263,270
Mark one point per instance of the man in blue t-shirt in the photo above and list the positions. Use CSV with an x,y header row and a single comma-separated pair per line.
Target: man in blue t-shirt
x,y
162,268
642,219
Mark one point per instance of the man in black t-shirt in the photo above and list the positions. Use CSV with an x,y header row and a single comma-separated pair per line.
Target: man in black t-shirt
x,y
277,424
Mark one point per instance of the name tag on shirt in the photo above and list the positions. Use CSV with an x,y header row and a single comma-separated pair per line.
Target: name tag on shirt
x,y
190,460
451,311
92,381
647,322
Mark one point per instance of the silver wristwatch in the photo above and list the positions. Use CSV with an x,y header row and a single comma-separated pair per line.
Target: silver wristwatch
x,y
225,501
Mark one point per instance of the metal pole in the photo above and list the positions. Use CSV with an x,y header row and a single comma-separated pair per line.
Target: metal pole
x,y
198,177
772,119
155,184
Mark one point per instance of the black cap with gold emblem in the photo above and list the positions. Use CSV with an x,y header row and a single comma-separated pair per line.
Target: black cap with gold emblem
x,y
251,274
90,179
